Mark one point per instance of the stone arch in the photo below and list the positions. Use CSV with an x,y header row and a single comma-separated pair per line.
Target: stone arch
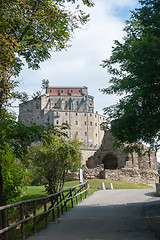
x,y
110,161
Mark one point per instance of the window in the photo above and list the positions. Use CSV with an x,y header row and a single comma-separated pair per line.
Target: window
x,y
77,133
95,116
85,133
66,113
95,124
50,90
90,123
76,122
66,121
76,114
77,103
85,114
96,134
66,104
100,117
85,123
90,115
62,91
57,122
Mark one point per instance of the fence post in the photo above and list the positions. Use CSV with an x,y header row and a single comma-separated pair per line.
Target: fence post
x,y
34,219
76,196
64,202
61,203
71,197
52,204
85,189
58,207
88,192
22,225
45,209
81,192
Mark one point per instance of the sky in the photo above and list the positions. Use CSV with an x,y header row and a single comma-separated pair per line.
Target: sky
x,y
80,64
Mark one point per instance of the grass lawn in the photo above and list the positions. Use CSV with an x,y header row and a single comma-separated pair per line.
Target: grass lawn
x,y
30,192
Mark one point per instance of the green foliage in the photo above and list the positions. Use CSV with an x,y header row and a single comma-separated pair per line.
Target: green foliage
x,y
14,142
30,29
53,159
137,115
14,174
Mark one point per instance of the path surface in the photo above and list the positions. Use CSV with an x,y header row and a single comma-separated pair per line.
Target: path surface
x,y
106,215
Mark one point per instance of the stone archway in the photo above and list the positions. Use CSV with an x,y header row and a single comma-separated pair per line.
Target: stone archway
x,y
110,161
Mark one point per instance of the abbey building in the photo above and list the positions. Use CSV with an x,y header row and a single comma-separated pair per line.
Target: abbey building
x,y
72,105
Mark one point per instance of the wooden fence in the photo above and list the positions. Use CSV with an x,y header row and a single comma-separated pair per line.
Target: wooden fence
x,y
51,203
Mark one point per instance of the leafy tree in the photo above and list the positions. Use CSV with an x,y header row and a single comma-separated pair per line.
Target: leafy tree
x,y
53,159
14,174
29,30
16,137
135,69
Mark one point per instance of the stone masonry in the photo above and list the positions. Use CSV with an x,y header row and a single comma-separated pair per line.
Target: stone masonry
x,y
124,167
71,105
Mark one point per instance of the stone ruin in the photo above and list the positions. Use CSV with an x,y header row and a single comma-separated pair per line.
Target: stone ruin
x,y
110,162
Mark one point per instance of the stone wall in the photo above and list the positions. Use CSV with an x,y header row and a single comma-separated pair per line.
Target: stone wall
x,y
158,189
131,176
125,175
86,154
124,167
87,173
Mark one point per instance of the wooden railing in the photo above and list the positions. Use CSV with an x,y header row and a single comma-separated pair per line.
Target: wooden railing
x,y
27,210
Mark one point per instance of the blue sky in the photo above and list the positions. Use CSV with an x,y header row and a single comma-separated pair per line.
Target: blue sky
x,y
80,64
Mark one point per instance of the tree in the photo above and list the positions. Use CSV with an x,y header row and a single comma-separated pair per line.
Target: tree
x,y
53,159
29,30
135,69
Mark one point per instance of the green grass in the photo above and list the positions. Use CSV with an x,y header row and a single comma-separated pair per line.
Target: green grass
x,y
96,183
30,192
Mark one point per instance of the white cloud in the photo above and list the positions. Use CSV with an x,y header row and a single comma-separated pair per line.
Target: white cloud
x,y
80,64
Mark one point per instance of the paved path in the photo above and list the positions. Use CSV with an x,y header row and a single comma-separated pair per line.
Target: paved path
x,y
106,215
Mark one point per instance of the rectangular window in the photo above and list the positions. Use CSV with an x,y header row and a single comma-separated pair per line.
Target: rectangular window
x,y
85,123
85,133
66,113
76,122
96,134
95,124
90,123
57,122
90,115
76,114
